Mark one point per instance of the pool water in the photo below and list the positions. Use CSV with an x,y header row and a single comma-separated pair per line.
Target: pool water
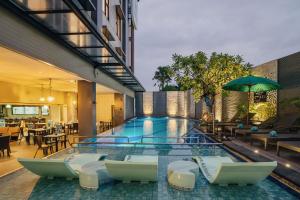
x,y
152,129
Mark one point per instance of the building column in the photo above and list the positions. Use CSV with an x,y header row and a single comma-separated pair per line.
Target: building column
x,y
86,108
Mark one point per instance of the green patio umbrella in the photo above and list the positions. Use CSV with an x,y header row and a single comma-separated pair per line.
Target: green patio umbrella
x,y
251,84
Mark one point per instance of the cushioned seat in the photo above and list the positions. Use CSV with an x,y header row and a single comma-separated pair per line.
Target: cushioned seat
x,y
68,167
224,171
133,168
93,174
183,174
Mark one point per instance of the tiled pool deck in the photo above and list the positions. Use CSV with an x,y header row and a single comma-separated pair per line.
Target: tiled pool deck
x,y
23,184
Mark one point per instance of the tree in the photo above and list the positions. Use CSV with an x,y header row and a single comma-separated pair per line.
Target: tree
x,y
163,76
171,88
206,76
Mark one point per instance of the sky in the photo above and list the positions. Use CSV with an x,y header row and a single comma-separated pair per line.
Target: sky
x,y
259,30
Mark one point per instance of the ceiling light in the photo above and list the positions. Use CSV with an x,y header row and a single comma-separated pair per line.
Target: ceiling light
x,y
256,151
42,99
8,106
287,165
50,98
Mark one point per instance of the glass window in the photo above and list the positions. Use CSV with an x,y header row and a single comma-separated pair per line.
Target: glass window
x,y
45,110
119,26
25,110
105,7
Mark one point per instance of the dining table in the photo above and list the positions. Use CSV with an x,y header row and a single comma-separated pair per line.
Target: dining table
x,y
35,132
56,137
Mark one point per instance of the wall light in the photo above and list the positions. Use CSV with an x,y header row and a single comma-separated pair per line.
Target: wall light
x,y
8,106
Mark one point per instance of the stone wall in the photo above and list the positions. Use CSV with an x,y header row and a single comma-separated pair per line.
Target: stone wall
x,y
171,103
191,105
231,103
177,103
159,103
289,79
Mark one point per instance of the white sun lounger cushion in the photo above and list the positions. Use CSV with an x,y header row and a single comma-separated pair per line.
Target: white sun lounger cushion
x,y
68,167
76,161
224,171
133,168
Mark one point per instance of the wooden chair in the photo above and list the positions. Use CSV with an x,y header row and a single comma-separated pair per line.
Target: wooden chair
x,y
42,146
74,128
4,144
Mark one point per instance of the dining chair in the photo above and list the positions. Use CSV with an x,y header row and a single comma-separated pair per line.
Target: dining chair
x,y
42,146
74,128
4,144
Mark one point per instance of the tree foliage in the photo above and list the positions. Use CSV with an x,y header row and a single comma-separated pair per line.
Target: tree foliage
x,y
163,76
206,75
171,88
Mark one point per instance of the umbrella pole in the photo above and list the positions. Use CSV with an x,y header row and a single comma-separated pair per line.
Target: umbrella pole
x,y
248,106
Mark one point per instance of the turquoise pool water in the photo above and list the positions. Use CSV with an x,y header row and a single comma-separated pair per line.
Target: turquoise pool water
x,y
152,130
24,184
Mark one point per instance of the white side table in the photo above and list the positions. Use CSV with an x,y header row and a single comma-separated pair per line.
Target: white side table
x,y
182,174
89,174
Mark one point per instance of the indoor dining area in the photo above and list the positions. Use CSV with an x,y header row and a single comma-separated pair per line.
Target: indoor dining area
x,y
39,111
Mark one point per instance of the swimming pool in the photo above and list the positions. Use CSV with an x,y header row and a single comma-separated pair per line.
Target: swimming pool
x,y
151,130
25,184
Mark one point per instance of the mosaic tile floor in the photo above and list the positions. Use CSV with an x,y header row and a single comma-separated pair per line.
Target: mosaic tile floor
x,y
24,184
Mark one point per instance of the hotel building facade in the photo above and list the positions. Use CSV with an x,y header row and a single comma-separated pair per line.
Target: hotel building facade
x,y
68,60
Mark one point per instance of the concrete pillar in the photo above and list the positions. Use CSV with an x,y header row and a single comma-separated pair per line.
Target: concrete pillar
x,y
87,108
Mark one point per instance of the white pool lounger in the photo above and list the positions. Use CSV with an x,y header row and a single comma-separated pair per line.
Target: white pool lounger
x,y
133,168
224,171
68,167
